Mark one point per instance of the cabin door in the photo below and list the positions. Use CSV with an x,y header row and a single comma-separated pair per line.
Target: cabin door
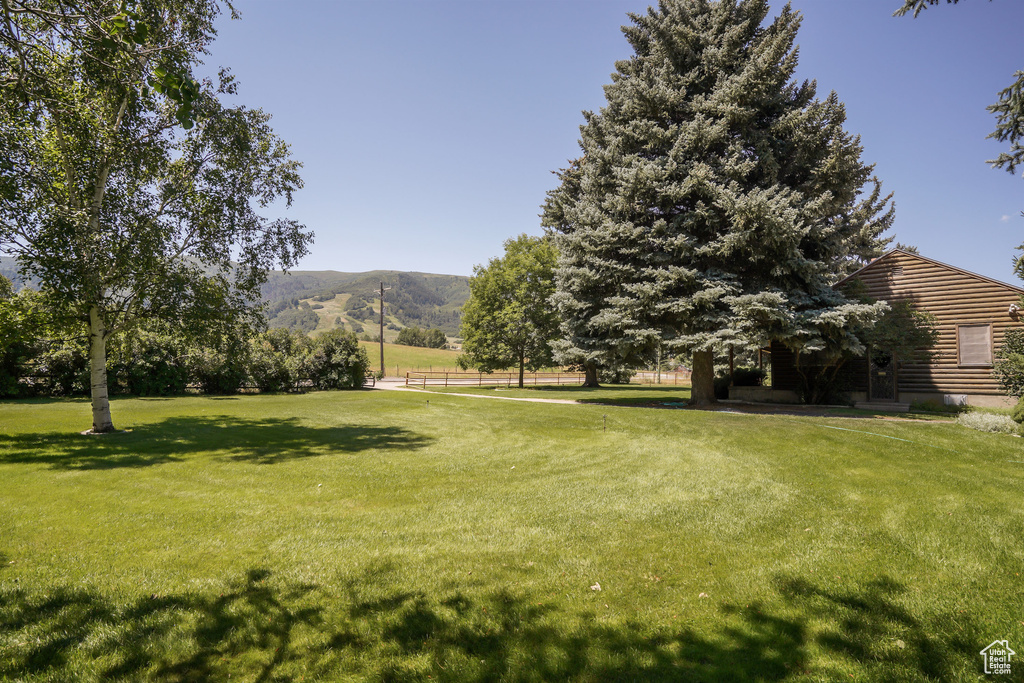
x,y
881,376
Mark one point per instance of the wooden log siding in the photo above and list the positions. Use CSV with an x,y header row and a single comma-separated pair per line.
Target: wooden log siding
x,y
955,297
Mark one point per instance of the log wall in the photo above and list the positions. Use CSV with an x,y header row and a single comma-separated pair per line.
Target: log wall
x,y
955,297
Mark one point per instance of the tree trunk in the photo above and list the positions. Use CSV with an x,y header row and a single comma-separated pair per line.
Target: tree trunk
x,y
101,421
702,381
522,368
591,375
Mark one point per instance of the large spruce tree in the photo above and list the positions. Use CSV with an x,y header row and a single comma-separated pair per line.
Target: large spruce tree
x,y
716,200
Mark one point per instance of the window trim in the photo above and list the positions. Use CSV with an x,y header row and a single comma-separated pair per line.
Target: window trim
x,y
991,346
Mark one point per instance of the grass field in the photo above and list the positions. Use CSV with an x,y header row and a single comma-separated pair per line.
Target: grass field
x,y
621,394
399,359
669,396
410,536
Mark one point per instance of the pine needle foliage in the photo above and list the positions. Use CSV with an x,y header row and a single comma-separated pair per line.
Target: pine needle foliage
x,y
716,200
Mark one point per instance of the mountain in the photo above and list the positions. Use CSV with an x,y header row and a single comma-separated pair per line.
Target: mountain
x,y
9,269
319,300
350,300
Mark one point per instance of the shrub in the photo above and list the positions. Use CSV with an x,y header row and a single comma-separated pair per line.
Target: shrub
x,y
148,363
65,369
414,336
336,361
1018,412
937,407
1009,363
276,359
615,375
748,377
988,422
217,372
20,343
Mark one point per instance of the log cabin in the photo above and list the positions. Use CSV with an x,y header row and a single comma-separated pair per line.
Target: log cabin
x,y
973,313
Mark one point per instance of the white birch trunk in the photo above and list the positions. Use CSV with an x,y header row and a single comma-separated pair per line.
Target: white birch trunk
x,y
101,420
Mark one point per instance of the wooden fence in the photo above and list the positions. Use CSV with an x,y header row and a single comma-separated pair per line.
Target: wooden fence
x,y
479,379
680,378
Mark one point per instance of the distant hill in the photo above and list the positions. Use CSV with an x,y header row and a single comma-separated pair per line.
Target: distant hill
x,y
349,300
320,300
9,269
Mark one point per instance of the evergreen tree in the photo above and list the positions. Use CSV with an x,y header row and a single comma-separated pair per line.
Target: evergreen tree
x,y
716,200
508,320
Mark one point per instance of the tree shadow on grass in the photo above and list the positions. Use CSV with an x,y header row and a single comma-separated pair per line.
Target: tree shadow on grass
x,y
871,628
264,441
614,394
262,628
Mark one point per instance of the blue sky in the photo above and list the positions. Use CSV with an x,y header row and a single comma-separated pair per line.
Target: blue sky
x,y
429,129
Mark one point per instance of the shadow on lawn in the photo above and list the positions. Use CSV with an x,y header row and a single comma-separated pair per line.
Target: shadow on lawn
x,y
652,395
261,629
264,441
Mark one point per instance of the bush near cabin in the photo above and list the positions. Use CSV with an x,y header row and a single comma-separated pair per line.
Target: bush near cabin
x,y
1009,365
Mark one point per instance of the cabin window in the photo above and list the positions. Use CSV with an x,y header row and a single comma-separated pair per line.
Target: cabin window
x,y
975,344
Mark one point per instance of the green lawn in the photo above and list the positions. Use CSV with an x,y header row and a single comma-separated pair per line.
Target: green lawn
x,y
668,396
617,394
399,359
410,536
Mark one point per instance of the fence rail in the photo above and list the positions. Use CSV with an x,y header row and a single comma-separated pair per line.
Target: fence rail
x,y
479,379
681,377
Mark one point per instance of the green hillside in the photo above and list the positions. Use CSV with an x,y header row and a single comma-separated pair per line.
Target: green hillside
x,y
317,301
320,300
9,269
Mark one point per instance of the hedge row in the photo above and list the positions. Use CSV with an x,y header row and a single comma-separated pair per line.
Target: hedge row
x,y
147,363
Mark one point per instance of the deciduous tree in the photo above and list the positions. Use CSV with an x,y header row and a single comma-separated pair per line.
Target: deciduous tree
x,y
508,320
127,186
716,200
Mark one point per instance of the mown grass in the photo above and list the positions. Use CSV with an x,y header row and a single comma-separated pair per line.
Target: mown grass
x,y
412,536
611,394
667,396
399,359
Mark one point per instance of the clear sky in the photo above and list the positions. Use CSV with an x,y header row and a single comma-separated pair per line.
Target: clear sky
x,y
429,129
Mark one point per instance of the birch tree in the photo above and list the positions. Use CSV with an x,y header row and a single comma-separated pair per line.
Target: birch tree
x,y
127,186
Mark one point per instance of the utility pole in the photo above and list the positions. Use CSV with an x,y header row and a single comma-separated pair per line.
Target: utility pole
x,y
382,290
